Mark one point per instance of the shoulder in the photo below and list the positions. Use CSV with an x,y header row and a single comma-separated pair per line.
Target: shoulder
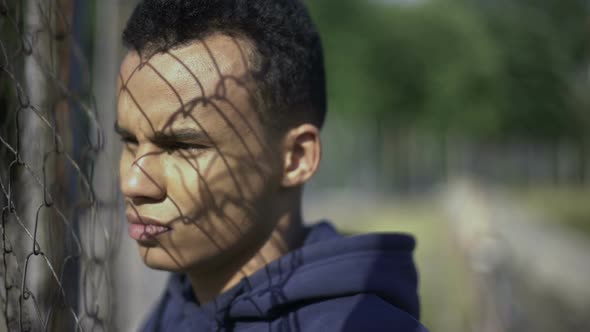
x,y
361,312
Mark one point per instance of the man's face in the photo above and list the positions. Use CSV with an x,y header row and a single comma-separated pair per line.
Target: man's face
x,y
197,174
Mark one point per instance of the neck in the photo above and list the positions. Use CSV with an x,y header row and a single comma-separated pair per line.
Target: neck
x,y
287,235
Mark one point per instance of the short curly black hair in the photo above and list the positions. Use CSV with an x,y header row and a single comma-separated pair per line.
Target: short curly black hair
x,y
287,47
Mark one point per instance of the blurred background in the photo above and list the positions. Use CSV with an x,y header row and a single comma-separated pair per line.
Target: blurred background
x,y
463,122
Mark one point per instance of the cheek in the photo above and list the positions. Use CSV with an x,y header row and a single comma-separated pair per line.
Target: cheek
x,y
189,179
219,180
246,175
189,169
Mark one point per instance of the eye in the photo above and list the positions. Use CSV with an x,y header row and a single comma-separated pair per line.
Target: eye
x,y
184,147
129,143
128,140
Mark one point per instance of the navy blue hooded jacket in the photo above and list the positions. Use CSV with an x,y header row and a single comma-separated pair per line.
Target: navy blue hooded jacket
x,y
332,283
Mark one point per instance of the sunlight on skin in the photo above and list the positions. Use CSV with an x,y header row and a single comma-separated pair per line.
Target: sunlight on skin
x,y
198,161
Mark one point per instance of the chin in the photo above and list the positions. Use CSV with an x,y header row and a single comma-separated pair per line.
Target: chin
x,y
158,258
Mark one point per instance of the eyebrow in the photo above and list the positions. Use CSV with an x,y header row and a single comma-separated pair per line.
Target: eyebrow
x,y
180,134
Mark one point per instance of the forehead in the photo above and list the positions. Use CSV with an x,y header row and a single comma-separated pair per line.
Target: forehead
x,y
196,80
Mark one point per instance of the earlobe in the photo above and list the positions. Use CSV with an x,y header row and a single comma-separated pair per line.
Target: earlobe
x,y
302,147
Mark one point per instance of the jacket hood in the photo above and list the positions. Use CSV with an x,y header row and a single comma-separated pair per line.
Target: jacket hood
x,y
327,266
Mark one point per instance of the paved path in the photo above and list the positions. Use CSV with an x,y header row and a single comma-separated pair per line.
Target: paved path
x,y
534,256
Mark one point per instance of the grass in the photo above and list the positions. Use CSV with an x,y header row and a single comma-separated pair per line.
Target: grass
x,y
569,206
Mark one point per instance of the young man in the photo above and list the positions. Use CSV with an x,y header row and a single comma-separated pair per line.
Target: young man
x,y
220,107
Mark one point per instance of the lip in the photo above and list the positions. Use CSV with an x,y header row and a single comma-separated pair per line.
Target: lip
x,y
143,228
134,218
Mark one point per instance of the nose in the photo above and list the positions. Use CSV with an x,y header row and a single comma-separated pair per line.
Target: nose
x,y
143,181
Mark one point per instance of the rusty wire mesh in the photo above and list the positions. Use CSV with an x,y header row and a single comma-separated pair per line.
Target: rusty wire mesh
x,y
55,249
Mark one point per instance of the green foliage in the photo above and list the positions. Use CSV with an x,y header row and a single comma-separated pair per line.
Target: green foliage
x,y
485,69
542,54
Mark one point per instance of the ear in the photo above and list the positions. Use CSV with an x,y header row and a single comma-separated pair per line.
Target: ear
x,y
302,153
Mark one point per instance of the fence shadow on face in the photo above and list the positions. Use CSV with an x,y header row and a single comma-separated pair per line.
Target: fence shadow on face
x,y
228,202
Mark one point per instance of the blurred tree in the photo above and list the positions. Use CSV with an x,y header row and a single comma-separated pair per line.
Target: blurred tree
x,y
437,69
484,69
542,56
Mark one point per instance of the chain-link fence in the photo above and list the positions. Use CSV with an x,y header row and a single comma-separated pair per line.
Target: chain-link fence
x,y
56,252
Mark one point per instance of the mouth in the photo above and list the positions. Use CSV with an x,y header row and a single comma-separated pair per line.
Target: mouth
x,y
143,228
